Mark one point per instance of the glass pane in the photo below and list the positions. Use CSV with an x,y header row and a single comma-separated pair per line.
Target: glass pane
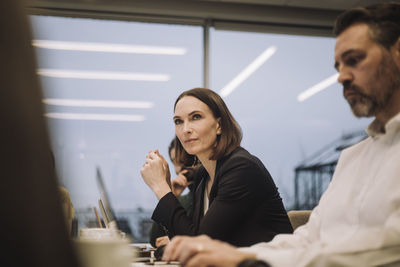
x,y
278,128
93,77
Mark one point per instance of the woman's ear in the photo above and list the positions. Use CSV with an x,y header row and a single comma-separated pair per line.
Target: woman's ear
x,y
219,130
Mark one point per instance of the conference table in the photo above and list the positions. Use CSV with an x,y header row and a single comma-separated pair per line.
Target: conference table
x,y
157,263
147,247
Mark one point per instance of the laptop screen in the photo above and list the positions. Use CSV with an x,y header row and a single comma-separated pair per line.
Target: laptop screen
x,y
104,201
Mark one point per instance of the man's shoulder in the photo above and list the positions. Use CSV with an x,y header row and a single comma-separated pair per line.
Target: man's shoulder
x,y
359,145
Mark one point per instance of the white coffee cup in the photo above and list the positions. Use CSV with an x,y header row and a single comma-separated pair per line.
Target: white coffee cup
x,y
103,247
98,233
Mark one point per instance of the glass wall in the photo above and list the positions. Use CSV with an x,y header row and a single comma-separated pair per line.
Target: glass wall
x,y
261,77
109,89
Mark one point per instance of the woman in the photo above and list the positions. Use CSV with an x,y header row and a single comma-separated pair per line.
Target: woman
x,y
235,198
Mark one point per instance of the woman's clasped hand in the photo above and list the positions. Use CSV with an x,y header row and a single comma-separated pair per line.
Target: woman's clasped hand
x,y
156,174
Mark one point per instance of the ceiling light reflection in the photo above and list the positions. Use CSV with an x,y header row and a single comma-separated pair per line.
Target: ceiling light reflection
x,y
97,103
110,48
317,88
252,67
95,117
102,75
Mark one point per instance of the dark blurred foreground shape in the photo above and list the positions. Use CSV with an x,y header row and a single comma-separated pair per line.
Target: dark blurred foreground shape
x,y
32,227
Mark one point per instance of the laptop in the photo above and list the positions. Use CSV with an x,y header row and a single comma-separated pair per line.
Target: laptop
x,y
104,203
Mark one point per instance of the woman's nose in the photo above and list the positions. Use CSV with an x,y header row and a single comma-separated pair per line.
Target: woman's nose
x,y
187,127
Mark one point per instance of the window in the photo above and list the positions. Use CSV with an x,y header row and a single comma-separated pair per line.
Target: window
x,y
278,128
109,89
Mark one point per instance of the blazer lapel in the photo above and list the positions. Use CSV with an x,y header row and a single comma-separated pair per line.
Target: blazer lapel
x,y
220,163
214,187
198,203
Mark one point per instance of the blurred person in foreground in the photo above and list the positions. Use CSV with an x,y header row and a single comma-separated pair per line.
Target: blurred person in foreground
x,y
357,221
235,197
183,180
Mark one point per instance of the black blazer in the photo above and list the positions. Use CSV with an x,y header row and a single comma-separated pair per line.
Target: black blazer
x,y
244,205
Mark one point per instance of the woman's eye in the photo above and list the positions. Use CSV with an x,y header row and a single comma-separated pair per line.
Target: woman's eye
x,y
196,116
177,121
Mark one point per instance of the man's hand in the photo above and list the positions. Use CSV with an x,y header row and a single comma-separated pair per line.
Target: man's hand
x,y
180,183
203,251
162,240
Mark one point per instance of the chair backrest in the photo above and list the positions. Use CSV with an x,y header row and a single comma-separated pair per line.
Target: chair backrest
x,y
32,225
68,208
298,217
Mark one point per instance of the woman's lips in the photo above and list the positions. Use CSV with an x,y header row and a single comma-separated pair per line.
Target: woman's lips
x,y
190,140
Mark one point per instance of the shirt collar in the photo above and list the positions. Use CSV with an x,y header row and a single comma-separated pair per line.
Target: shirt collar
x,y
374,129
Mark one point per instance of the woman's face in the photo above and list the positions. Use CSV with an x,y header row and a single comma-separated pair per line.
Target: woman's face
x,y
196,127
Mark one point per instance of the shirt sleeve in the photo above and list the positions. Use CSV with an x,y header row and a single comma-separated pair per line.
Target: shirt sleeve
x,y
367,247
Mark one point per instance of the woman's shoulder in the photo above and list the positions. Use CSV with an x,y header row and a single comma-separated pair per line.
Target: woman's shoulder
x,y
242,172
240,160
240,156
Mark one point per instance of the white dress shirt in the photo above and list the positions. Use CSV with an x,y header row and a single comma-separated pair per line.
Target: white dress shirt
x,y
357,221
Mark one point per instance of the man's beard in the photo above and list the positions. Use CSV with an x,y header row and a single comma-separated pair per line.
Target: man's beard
x,y
362,105
382,84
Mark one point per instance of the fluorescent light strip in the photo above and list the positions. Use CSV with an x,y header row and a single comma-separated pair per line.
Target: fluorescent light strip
x,y
252,67
109,48
317,88
95,117
97,103
102,75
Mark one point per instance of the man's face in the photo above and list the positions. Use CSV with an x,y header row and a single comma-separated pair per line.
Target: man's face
x,y
367,71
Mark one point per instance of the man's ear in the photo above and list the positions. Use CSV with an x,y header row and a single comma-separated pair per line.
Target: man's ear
x,y
396,47
219,130
396,52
